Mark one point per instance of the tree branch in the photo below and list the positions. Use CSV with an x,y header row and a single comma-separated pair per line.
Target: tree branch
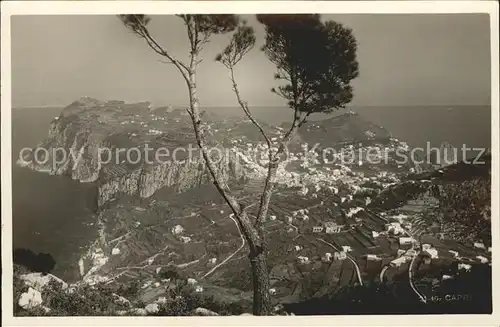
x,y
250,234
246,110
153,44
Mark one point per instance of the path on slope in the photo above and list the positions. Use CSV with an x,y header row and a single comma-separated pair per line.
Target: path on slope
x,y
231,255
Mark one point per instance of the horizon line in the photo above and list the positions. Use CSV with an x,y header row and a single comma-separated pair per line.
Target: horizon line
x,y
266,106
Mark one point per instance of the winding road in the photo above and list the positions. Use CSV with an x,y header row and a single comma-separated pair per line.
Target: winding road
x,y
358,272
382,272
422,297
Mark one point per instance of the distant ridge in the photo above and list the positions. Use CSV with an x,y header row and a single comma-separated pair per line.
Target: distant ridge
x,y
349,127
34,107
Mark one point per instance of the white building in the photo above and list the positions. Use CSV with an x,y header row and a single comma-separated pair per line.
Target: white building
x,y
373,257
395,228
405,240
432,252
353,211
445,277
464,266
482,259
185,239
454,253
479,245
317,229
398,262
327,257
302,259
339,255
346,248
375,234
332,227
177,229
426,246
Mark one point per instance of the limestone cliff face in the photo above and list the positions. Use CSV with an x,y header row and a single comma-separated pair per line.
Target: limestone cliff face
x,y
181,176
86,140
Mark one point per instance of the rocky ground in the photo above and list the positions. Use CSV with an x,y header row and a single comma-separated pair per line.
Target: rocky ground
x,y
160,223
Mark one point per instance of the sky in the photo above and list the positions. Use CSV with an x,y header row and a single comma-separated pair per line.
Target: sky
x,y
404,60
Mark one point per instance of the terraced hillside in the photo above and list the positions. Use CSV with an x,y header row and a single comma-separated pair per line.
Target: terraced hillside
x,y
329,222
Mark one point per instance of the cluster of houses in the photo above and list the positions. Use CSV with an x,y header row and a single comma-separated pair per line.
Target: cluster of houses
x,y
405,256
396,228
328,257
409,247
429,252
338,255
328,227
481,246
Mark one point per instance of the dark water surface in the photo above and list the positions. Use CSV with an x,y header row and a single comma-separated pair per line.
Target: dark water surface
x,y
49,213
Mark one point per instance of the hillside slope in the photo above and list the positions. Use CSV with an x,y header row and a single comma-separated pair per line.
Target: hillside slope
x,y
167,218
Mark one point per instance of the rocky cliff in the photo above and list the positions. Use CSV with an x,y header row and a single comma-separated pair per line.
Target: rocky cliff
x,y
118,145
135,149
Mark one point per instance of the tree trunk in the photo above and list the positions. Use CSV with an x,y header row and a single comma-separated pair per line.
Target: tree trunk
x,y
267,192
261,297
261,301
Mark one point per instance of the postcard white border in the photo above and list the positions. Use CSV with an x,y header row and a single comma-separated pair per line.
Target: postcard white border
x,y
239,7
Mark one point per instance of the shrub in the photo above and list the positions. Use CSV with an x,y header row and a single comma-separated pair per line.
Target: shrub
x,y
129,290
83,301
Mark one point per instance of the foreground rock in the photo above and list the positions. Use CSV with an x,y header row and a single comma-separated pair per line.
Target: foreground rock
x,y
30,299
204,312
38,281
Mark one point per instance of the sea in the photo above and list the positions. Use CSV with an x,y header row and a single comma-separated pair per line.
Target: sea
x,y
51,214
